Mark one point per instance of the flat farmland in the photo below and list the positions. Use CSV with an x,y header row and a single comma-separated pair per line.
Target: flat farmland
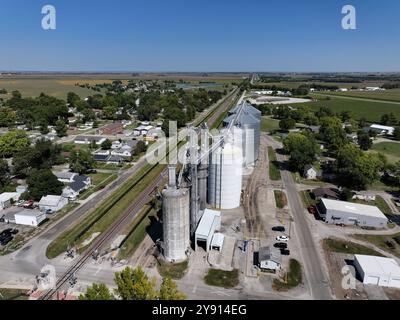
x,y
296,84
392,95
369,109
53,87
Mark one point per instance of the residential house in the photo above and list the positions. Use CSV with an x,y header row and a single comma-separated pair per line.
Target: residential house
x,y
326,193
89,140
112,129
7,199
108,159
79,184
365,196
311,173
65,177
382,130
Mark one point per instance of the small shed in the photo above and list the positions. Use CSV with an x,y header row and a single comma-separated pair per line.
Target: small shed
x,y
217,241
311,173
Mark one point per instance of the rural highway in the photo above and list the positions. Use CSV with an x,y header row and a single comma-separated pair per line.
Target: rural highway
x,y
312,260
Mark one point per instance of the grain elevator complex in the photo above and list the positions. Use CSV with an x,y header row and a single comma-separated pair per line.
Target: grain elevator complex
x,y
210,180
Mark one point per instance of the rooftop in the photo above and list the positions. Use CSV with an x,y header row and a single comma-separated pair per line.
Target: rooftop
x,y
378,265
206,222
361,209
50,200
5,196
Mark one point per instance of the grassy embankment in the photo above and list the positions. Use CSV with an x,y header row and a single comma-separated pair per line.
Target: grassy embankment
x,y
274,173
280,199
343,246
388,243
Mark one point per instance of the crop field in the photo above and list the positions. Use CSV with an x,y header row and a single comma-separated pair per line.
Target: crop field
x,y
369,109
392,95
54,87
296,84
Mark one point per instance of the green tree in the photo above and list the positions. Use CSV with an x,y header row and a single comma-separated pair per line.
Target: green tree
x,y
396,133
140,148
4,174
81,161
287,124
302,150
135,285
61,128
356,168
7,117
13,142
106,144
97,292
169,291
364,140
43,182
332,133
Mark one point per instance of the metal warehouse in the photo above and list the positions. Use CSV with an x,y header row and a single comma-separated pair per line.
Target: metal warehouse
x,y
379,271
337,212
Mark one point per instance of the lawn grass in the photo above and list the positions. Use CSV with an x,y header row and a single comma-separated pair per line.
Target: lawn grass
x,y
138,231
291,279
280,199
13,294
221,278
269,124
343,246
370,110
98,177
174,271
274,173
381,240
100,218
390,149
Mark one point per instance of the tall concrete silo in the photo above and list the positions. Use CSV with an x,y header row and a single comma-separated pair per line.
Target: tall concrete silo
x,y
225,177
247,107
176,224
251,127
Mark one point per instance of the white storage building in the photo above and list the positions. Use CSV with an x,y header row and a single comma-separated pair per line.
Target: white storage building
x,y
31,218
379,271
210,223
269,258
53,203
7,198
383,129
348,213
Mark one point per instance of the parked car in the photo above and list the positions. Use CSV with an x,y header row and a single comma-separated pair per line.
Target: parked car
x,y
6,240
20,203
285,252
282,238
49,211
279,228
280,245
312,209
29,204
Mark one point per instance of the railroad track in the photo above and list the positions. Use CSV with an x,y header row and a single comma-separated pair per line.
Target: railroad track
x,y
145,196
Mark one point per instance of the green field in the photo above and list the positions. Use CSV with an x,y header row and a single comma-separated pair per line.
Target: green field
x,y
369,109
387,95
280,199
268,124
174,271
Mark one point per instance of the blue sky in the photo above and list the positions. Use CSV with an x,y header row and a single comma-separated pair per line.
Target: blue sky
x,y
208,35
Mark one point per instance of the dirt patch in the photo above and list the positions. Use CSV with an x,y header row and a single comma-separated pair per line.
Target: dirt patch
x,y
392,294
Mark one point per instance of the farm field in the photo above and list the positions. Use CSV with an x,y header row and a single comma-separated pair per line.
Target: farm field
x,y
388,95
296,84
371,110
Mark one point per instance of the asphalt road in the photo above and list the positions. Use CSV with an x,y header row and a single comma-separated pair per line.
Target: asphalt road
x,y
315,275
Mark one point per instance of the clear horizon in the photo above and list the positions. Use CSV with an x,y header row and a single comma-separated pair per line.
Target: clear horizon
x,y
207,36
